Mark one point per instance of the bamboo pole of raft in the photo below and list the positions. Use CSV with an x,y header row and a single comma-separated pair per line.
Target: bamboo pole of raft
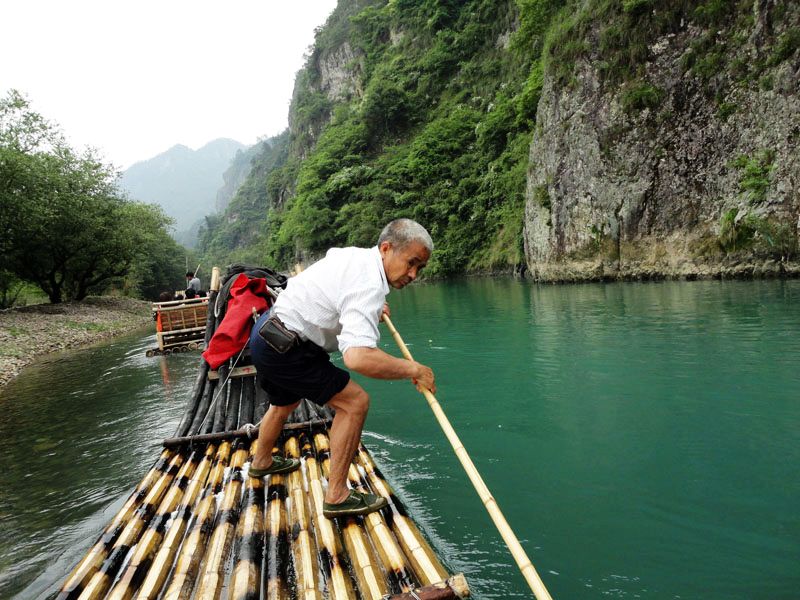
x,y
248,546
192,549
103,578
277,541
162,562
219,546
87,567
398,571
304,547
424,562
334,567
522,560
368,575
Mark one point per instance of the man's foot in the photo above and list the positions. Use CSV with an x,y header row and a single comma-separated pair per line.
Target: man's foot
x,y
279,466
357,503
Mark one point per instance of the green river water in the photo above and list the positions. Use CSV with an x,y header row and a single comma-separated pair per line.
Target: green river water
x,y
643,440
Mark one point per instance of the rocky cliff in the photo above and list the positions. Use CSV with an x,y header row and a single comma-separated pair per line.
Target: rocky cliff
x,y
574,140
687,167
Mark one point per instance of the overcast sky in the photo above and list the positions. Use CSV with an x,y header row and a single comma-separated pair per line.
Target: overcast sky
x,y
133,79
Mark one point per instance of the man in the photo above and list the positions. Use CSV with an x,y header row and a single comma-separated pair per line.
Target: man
x,y
192,283
335,304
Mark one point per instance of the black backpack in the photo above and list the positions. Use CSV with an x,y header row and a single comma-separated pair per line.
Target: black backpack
x,y
276,282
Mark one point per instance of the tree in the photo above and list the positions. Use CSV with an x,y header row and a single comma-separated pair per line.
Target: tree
x,y
65,225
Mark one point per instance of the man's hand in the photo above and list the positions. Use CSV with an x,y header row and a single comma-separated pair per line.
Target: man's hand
x,y
386,310
424,379
374,362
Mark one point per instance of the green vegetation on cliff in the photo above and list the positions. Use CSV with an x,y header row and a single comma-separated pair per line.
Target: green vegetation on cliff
x,y
427,109
437,127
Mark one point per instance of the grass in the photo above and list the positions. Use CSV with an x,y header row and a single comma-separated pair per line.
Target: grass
x,y
88,326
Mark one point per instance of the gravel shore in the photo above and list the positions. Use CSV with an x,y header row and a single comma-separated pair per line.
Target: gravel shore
x,y
30,331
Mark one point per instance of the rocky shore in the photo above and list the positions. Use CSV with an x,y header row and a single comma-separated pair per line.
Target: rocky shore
x,y
31,331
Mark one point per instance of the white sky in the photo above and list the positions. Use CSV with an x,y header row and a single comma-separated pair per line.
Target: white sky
x,y
134,78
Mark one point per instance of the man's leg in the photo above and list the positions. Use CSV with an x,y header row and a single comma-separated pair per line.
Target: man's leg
x,y
351,405
268,432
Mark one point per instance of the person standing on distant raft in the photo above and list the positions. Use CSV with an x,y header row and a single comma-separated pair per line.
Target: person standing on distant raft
x,y
335,304
192,283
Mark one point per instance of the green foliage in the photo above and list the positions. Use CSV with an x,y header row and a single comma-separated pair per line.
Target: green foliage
x,y
735,233
542,196
711,13
639,96
64,225
725,110
741,231
386,108
754,176
628,28
787,45
636,7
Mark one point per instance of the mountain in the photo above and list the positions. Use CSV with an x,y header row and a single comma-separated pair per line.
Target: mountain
x,y
183,181
569,139
236,173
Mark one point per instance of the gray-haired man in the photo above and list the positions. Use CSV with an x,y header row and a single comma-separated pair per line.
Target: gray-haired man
x,y
336,304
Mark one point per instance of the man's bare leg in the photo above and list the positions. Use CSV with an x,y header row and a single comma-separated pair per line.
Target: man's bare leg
x,y
351,405
268,432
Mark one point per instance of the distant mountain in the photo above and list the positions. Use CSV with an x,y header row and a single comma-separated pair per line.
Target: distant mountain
x,y
235,175
183,181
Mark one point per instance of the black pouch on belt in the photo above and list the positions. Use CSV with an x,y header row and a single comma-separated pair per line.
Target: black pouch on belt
x,y
279,338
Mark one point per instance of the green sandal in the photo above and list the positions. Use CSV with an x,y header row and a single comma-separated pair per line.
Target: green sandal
x,y
279,466
357,503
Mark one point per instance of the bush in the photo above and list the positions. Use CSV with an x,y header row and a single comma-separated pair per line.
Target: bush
x,y
755,173
639,96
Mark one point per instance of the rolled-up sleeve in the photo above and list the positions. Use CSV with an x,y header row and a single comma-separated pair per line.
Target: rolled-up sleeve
x,y
359,311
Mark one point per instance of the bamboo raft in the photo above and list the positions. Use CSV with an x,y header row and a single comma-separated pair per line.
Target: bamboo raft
x,y
197,526
180,325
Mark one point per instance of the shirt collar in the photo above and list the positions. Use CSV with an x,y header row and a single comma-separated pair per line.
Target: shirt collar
x,y
379,259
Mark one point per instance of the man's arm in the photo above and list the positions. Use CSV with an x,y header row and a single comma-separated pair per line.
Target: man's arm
x,y
375,363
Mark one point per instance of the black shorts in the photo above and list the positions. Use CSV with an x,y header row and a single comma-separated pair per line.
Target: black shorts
x,y
305,371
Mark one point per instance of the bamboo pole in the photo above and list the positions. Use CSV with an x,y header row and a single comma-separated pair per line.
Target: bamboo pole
x,y
162,563
423,560
248,546
87,567
398,571
522,560
454,588
277,542
212,575
334,567
304,547
194,546
367,570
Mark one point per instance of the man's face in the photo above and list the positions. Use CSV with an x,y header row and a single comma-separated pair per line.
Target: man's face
x,y
402,266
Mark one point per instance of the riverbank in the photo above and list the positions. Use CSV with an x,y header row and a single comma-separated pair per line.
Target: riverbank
x,y
31,331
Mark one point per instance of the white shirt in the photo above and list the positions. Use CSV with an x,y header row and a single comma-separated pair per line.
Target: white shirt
x,y
337,302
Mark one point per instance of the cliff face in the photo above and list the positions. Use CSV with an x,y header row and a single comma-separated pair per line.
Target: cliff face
x,y
689,169
586,139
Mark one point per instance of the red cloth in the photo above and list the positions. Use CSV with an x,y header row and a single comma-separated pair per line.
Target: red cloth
x,y
234,331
